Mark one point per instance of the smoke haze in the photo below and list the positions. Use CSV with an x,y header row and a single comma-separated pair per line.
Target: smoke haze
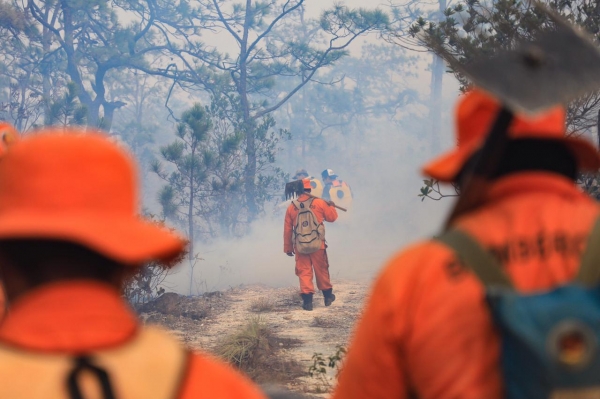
x,y
382,168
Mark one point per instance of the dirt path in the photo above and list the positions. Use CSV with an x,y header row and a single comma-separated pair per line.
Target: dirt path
x,y
319,331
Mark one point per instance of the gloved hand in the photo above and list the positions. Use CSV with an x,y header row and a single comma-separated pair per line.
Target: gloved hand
x,y
289,253
330,203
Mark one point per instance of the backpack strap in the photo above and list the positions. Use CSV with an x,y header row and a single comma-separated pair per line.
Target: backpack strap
x,y
482,263
589,268
308,202
83,363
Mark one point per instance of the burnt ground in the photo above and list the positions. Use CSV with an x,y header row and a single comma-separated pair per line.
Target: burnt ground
x,y
294,335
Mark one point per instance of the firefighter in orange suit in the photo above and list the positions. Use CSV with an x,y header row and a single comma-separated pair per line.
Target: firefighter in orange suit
x,y
426,331
317,261
70,236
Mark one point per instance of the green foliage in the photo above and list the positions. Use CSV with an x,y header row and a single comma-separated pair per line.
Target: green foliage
x,y
432,190
321,364
190,166
12,18
197,121
207,162
67,111
471,30
146,283
341,19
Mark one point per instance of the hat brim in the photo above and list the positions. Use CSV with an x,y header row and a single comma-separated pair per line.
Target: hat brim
x,y
446,167
128,240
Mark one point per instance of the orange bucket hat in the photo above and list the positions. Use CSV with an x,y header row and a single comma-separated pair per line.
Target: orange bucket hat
x,y
79,187
475,114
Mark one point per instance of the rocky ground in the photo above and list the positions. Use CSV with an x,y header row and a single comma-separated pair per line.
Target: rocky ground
x,y
202,322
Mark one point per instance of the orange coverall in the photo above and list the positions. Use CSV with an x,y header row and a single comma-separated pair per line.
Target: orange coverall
x,y
54,322
427,331
317,260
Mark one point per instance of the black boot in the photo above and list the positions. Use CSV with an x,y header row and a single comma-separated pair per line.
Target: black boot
x,y
329,297
307,301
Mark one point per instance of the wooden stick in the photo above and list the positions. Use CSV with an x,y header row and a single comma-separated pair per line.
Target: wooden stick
x,y
338,207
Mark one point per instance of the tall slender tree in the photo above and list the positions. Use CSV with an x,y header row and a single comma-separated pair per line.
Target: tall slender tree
x,y
189,172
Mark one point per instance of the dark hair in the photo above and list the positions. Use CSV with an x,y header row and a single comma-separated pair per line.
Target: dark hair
x,y
42,261
523,155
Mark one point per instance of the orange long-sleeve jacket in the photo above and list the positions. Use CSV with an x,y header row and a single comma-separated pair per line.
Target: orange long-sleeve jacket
x,y
47,327
322,210
426,329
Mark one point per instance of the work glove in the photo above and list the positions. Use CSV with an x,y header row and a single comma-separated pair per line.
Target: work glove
x,y
330,203
289,253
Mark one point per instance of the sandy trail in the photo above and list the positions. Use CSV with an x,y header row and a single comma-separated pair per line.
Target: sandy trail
x,y
319,331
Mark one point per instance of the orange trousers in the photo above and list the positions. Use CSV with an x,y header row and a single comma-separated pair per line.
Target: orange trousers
x,y
304,270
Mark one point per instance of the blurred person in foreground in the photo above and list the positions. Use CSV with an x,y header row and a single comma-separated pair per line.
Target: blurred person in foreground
x,y
8,136
304,238
70,236
427,331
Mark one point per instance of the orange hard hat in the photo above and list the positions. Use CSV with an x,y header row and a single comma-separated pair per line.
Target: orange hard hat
x,y
80,187
475,115
306,184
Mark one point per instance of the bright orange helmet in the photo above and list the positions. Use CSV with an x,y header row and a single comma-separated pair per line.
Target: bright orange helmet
x,y
306,183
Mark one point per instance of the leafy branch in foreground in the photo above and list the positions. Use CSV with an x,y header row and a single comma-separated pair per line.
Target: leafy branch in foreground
x,y
432,190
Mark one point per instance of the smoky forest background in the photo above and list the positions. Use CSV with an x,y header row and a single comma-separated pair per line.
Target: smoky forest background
x,y
220,101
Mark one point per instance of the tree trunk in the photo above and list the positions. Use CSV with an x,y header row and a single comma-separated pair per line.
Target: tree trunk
x,y
72,69
46,84
251,162
435,103
109,112
191,221
435,99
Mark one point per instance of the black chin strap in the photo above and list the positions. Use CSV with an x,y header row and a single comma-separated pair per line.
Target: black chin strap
x,y
83,363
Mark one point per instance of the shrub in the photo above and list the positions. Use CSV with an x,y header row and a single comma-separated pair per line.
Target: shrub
x,y
262,304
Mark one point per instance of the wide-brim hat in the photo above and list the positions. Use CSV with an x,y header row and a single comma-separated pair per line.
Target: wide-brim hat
x,y
79,187
300,172
475,114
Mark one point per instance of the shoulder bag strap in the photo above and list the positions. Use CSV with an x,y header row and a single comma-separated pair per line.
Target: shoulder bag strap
x,y
482,263
84,363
